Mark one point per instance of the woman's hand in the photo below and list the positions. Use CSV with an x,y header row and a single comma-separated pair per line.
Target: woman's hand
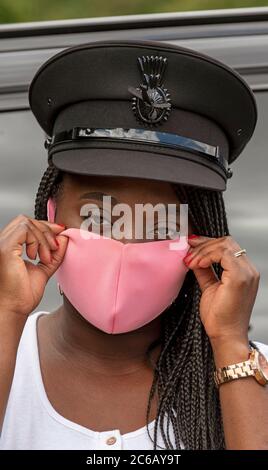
x,y
226,304
22,283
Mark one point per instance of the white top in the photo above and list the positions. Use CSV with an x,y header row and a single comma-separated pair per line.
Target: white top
x,y
31,422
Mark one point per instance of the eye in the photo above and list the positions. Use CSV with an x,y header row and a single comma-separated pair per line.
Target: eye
x,y
97,218
161,231
165,232
174,232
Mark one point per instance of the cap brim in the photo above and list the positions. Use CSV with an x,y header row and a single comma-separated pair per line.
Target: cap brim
x,y
140,164
98,75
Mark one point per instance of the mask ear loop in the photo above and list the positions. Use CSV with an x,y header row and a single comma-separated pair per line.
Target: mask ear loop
x,y
50,217
51,207
60,291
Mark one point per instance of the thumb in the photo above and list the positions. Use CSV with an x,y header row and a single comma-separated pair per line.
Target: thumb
x,y
57,257
206,277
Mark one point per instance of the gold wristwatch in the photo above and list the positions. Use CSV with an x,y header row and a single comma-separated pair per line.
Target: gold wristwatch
x,y
256,366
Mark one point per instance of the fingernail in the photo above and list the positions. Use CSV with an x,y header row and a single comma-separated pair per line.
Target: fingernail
x,y
62,225
193,236
186,259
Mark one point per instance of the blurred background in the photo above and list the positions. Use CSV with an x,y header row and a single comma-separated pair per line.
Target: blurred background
x,y
235,32
12,11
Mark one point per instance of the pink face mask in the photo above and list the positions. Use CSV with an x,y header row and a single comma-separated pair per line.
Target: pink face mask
x,y
119,287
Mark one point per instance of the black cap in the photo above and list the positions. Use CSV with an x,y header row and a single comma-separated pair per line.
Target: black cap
x,y
143,109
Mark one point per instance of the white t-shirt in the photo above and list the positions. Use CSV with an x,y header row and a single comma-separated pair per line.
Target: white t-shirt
x,y
31,422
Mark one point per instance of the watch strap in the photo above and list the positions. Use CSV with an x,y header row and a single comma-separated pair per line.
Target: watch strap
x,y
235,371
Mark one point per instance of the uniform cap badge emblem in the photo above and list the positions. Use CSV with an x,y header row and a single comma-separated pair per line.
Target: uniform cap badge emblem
x,y
151,101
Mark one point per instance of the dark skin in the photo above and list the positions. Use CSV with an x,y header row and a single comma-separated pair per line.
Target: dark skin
x,y
105,379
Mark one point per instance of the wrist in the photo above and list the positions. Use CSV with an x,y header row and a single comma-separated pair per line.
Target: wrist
x,y
11,327
230,350
11,316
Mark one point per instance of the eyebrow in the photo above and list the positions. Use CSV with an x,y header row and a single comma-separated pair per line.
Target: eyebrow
x,y
98,196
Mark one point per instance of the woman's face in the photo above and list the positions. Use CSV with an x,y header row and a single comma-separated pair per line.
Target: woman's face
x,y
80,191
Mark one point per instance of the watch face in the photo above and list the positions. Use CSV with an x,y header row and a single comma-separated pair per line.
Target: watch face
x,y
263,364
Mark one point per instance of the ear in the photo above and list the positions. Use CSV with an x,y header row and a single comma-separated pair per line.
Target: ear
x,y
51,207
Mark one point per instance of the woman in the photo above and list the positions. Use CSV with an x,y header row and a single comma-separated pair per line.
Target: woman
x,y
76,386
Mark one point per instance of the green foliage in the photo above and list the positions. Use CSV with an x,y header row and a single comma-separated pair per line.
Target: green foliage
x,y
12,11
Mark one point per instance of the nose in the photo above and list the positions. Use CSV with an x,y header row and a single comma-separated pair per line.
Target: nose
x,y
131,231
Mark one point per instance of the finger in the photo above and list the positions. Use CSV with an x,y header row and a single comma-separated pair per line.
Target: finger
x,y
44,247
31,244
45,233
52,226
204,248
57,228
26,233
224,256
13,243
48,233
46,270
201,240
57,256
206,277
197,243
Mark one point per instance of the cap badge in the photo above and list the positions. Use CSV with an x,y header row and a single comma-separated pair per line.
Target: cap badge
x,y
151,101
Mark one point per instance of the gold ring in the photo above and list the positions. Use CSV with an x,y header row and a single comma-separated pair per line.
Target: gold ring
x,y
239,253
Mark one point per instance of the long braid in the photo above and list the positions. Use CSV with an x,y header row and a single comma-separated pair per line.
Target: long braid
x,y
183,373
49,186
189,389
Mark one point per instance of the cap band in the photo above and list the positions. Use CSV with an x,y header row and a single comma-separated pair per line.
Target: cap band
x,y
165,139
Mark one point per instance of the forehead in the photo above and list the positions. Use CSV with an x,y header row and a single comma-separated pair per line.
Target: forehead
x,y
122,188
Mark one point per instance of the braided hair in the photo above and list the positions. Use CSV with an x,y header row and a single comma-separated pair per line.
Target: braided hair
x,y
183,373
